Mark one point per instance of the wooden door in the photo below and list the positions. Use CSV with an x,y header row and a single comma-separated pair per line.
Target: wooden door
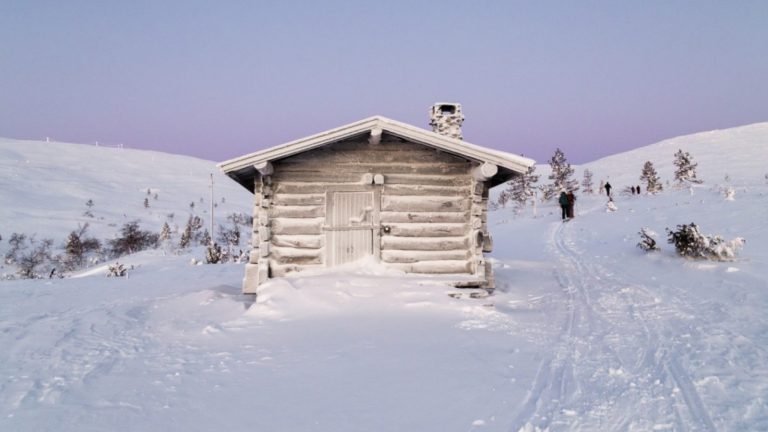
x,y
351,220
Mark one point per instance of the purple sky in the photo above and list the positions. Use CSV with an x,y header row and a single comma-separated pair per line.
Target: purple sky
x,y
217,79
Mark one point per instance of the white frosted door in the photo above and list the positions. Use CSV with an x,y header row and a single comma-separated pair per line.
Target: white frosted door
x,y
350,230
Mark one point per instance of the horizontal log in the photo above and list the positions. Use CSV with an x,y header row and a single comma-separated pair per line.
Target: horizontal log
x,y
422,190
298,199
428,229
434,217
323,167
282,270
412,256
313,211
424,204
435,267
431,180
424,243
298,241
297,226
311,187
322,177
283,255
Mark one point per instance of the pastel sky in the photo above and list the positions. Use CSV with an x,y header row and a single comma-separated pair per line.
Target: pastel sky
x,y
217,79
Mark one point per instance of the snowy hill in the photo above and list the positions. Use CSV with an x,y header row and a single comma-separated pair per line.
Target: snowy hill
x,y
45,187
740,152
585,331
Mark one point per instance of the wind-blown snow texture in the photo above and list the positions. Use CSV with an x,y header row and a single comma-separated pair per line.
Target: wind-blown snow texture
x,y
586,332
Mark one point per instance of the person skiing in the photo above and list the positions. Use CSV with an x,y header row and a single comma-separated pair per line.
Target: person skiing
x,y
607,188
571,201
563,200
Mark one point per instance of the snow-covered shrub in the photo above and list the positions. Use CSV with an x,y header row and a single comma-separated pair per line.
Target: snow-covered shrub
x,y
730,193
690,242
214,254
78,246
132,239
647,240
29,264
116,270
17,243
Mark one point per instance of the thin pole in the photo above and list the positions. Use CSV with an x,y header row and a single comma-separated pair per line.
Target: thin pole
x,y
212,233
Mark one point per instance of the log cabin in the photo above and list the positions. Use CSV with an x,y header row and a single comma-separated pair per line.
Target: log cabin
x,y
416,200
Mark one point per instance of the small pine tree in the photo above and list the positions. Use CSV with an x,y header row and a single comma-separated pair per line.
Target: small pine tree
x,y
89,211
686,169
165,232
560,175
520,189
651,178
146,202
586,182
213,254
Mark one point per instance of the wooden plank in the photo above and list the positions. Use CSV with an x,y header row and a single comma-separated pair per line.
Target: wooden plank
x,y
411,256
433,217
424,243
424,204
298,241
280,211
298,199
297,226
321,168
428,229
422,190
435,267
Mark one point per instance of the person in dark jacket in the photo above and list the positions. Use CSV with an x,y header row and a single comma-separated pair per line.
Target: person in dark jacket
x,y
607,188
563,200
571,201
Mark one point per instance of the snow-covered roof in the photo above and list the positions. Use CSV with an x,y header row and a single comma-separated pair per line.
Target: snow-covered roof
x,y
238,168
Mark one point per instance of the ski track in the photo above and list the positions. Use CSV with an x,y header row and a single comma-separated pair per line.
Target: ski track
x,y
630,383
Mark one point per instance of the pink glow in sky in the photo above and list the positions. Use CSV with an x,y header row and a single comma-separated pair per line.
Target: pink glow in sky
x,y
220,79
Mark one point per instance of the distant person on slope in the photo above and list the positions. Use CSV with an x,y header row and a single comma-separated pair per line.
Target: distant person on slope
x,y
607,188
571,201
563,200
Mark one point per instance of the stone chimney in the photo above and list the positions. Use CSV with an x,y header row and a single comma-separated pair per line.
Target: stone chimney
x,y
446,119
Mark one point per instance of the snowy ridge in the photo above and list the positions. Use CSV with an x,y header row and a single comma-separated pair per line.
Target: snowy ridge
x,y
739,152
44,187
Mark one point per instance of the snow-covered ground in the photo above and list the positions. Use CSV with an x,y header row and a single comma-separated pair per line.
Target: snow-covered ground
x,y
585,332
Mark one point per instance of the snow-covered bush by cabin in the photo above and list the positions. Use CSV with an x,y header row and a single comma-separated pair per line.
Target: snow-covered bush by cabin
x,y
690,242
647,240
214,254
116,270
